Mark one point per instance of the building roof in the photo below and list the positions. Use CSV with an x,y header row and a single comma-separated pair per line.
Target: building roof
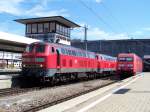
x,y
45,19
12,38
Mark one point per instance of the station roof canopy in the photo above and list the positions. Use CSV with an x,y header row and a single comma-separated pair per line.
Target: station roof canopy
x,y
15,39
59,19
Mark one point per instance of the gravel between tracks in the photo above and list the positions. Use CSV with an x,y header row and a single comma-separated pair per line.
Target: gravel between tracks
x,y
27,100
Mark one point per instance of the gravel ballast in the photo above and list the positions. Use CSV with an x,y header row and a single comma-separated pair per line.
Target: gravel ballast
x,y
25,101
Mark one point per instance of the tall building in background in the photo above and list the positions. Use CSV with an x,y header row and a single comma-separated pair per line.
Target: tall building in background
x,y
55,29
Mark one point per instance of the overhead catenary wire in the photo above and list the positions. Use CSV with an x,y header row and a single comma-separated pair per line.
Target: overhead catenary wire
x,y
97,15
104,22
115,19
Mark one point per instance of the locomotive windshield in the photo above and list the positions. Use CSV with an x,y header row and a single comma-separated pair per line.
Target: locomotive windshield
x,y
127,59
30,48
40,48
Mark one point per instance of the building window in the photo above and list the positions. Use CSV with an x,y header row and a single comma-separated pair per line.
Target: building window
x,y
66,31
60,27
34,28
52,27
40,28
28,28
57,28
63,30
46,27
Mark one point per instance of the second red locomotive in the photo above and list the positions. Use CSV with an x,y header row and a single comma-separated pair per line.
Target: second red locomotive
x,y
129,64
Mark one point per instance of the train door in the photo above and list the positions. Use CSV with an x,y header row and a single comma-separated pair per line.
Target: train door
x,y
98,58
58,58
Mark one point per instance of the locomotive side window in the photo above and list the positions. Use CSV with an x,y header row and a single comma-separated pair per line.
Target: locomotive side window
x,y
66,51
84,54
69,52
63,50
74,53
40,48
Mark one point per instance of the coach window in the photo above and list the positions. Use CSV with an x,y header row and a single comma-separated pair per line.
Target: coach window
x,y
40,28
28,30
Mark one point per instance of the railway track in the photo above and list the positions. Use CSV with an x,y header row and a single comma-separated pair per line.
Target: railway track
x,y
48,104
15,91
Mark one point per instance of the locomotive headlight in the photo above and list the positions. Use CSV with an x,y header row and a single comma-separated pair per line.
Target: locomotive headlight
x,y
41,65
24,65
39,59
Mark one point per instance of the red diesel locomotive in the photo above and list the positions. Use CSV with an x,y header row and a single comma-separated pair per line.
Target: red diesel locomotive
x,y
107,64
129,64
48,61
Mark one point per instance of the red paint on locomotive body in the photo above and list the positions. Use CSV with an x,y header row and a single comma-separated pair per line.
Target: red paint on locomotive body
x,y
107,63
48,59
129,63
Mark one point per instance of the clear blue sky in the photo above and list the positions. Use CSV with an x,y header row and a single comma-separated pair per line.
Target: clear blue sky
x,y
106,19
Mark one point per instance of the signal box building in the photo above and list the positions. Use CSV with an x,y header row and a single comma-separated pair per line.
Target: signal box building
x,y
56,29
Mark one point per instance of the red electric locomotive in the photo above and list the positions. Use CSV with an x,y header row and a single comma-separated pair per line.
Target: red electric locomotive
x,y
129,64
48,61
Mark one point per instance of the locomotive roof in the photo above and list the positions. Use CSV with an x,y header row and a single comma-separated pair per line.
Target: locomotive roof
x,y
65,46
127,54
104,56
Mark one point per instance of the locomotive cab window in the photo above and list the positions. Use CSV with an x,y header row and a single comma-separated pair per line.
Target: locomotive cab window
x,y
122,59
129,59
30,48
40,48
